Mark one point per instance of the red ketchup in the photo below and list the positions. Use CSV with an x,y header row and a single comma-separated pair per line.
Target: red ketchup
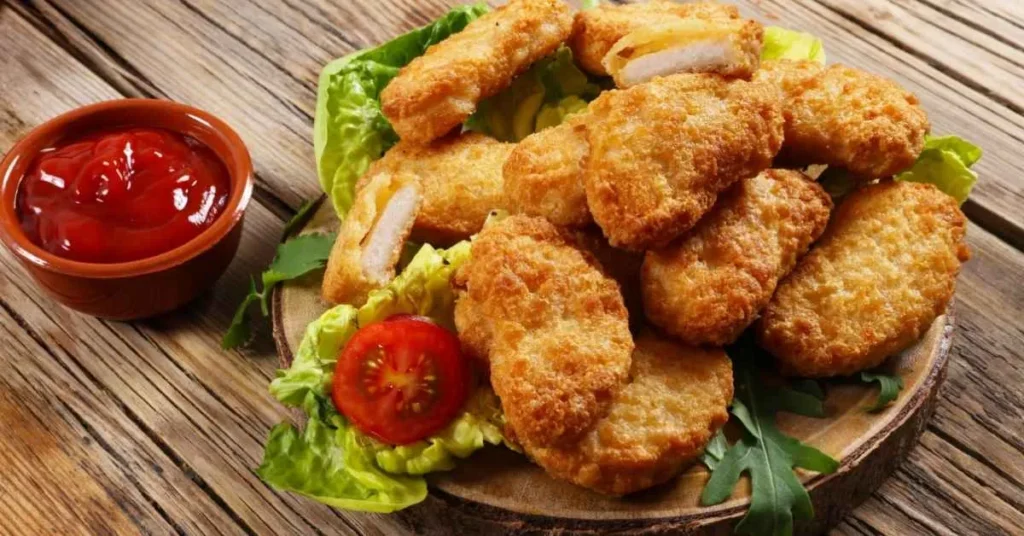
x,y
121,195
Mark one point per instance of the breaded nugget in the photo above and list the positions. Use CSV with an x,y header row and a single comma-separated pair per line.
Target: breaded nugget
x,y
708,286
371,238
621,265
460,182
657,424
661,152
595,31
543,175
559,343
848,118
437,91
883,271
731,48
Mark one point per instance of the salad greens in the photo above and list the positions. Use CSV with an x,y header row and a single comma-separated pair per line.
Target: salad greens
x,y
349,130
946,162
889,386
777,496
295,258
550,90
332,462
783,44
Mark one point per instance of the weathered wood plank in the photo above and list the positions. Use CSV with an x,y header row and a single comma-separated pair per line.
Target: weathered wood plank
x,y
207,409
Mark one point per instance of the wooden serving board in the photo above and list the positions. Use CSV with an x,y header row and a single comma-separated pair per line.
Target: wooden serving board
x,y
497,491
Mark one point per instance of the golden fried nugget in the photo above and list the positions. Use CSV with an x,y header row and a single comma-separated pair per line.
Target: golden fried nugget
x,y
731,48
884,269
657,424
595,31
459,179
708,286
661,152
543,175
848,118
559,344
371,238
437,91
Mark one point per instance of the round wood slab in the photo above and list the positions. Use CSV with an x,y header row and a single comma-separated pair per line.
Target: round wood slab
x,y
497,491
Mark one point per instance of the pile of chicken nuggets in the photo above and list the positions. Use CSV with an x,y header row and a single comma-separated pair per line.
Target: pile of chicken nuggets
x,y
653,228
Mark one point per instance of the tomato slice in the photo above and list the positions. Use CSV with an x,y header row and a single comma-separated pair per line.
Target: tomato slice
x,y
401,380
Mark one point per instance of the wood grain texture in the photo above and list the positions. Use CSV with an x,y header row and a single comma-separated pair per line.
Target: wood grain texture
x,y
188,420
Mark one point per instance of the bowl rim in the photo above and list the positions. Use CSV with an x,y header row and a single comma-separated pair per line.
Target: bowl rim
x,y
240,173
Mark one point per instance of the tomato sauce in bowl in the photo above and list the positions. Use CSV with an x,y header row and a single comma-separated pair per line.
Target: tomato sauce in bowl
x,y
122,194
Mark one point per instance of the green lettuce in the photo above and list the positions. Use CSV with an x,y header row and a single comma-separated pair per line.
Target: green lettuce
x,y
946,162
349,130
548,91
784,44
332,462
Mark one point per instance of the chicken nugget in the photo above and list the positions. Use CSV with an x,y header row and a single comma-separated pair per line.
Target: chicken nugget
x,y
595,31
553,325
884,269
543,175
661,152
708,286
731,48
657,424
437,91
846,117
371,238
459,180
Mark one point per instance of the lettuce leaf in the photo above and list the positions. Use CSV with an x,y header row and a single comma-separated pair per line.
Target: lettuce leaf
x,y
349,130
946,162
332,462
550,90
783,44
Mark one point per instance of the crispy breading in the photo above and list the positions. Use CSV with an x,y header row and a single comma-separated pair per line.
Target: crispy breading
x,y
884,269
437,91
846,117
708,286
371,238
559,343
731,48
657,424
460,182
543,175
621,265
595,31
661,152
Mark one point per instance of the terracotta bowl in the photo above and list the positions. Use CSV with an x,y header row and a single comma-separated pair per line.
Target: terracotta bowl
x,y
146,287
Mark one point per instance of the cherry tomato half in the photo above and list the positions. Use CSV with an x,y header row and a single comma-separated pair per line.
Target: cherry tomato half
x,y
401,380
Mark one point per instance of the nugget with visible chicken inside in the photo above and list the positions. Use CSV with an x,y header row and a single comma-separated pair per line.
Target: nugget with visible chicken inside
x,y
884,269
595,31
437,91
543,175
661,152
731,48
846,117
708,286
657,424
459,180
555,330
371,238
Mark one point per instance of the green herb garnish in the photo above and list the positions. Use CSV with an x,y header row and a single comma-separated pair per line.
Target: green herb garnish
x,y
295,258
890,386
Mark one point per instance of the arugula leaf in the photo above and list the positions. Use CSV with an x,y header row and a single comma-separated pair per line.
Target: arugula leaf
x,y
715,450
295,258
768,455
299,218
890,386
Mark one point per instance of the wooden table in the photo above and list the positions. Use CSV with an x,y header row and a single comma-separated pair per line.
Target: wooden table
x,y
149,427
